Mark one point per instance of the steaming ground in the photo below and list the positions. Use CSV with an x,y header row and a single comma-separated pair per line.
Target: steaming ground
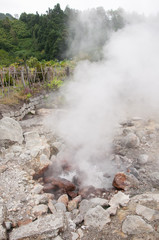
x,y
101,94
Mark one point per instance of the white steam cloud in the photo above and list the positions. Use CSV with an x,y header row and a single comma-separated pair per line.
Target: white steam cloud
x,y
123,85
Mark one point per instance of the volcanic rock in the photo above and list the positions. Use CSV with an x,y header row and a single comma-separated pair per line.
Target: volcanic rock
x,y
119,199
10,130
40,210
3,234
40,165
60,183
60,207
135,225
96,217
120,181
43,228
131,141
63,199
147,213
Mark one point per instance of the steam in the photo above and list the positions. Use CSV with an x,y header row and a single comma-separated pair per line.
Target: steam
x,y
122,85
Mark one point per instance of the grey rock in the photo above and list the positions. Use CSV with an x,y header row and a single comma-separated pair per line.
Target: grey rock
x,y
143,159
3,235
10,130
147,213
43,228
155,179
41,199
75,236
78,219
99,201
85,205
2,212
131,141
37,189
40,210
60,207
135,225
8,225
96,217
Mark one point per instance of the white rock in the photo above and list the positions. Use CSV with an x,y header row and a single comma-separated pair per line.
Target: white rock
x,y
10,130
119,199
135,225
40,210
37,189
96,217
60,207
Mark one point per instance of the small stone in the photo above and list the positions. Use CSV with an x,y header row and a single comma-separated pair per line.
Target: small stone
x,y
8,225
85,205
131,141
99,201
40,210
80,233
147,213
135,225
24,222
37,189
63,199
60,207
3,234
51,206
78,219
72,205
96,217
41,199
143,159
120,181
75,236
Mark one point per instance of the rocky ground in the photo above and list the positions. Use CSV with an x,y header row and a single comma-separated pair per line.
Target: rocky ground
x,y
34,205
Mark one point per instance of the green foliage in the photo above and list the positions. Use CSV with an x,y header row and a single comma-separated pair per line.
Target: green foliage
x,y
55,84
49,35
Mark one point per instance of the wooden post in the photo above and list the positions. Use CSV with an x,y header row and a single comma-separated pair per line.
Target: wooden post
x,y
22,77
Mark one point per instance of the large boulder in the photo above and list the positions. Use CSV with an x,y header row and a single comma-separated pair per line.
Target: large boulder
x,y
10,130
46,227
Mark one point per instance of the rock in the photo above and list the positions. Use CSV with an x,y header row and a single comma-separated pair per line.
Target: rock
x,y
60,207
99,201
120,181
75,236
41,199
57,238
119,199
60,183
8,225
37,189
2,212
51,206
96,217
135,225
63,199
131,141
40,210
80,233
72,205
147,213
85,205
3,234
78,219
146,198
40,165
43,228
155,179
143,159
24,222
10,130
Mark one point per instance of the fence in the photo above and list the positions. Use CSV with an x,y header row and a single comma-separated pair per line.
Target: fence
x,y
16,78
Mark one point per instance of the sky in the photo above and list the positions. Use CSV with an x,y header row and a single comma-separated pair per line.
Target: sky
x,y
147,7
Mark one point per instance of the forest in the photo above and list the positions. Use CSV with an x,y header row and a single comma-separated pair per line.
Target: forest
x,y
49,36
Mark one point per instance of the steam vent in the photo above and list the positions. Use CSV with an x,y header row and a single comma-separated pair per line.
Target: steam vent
x,y
79,125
